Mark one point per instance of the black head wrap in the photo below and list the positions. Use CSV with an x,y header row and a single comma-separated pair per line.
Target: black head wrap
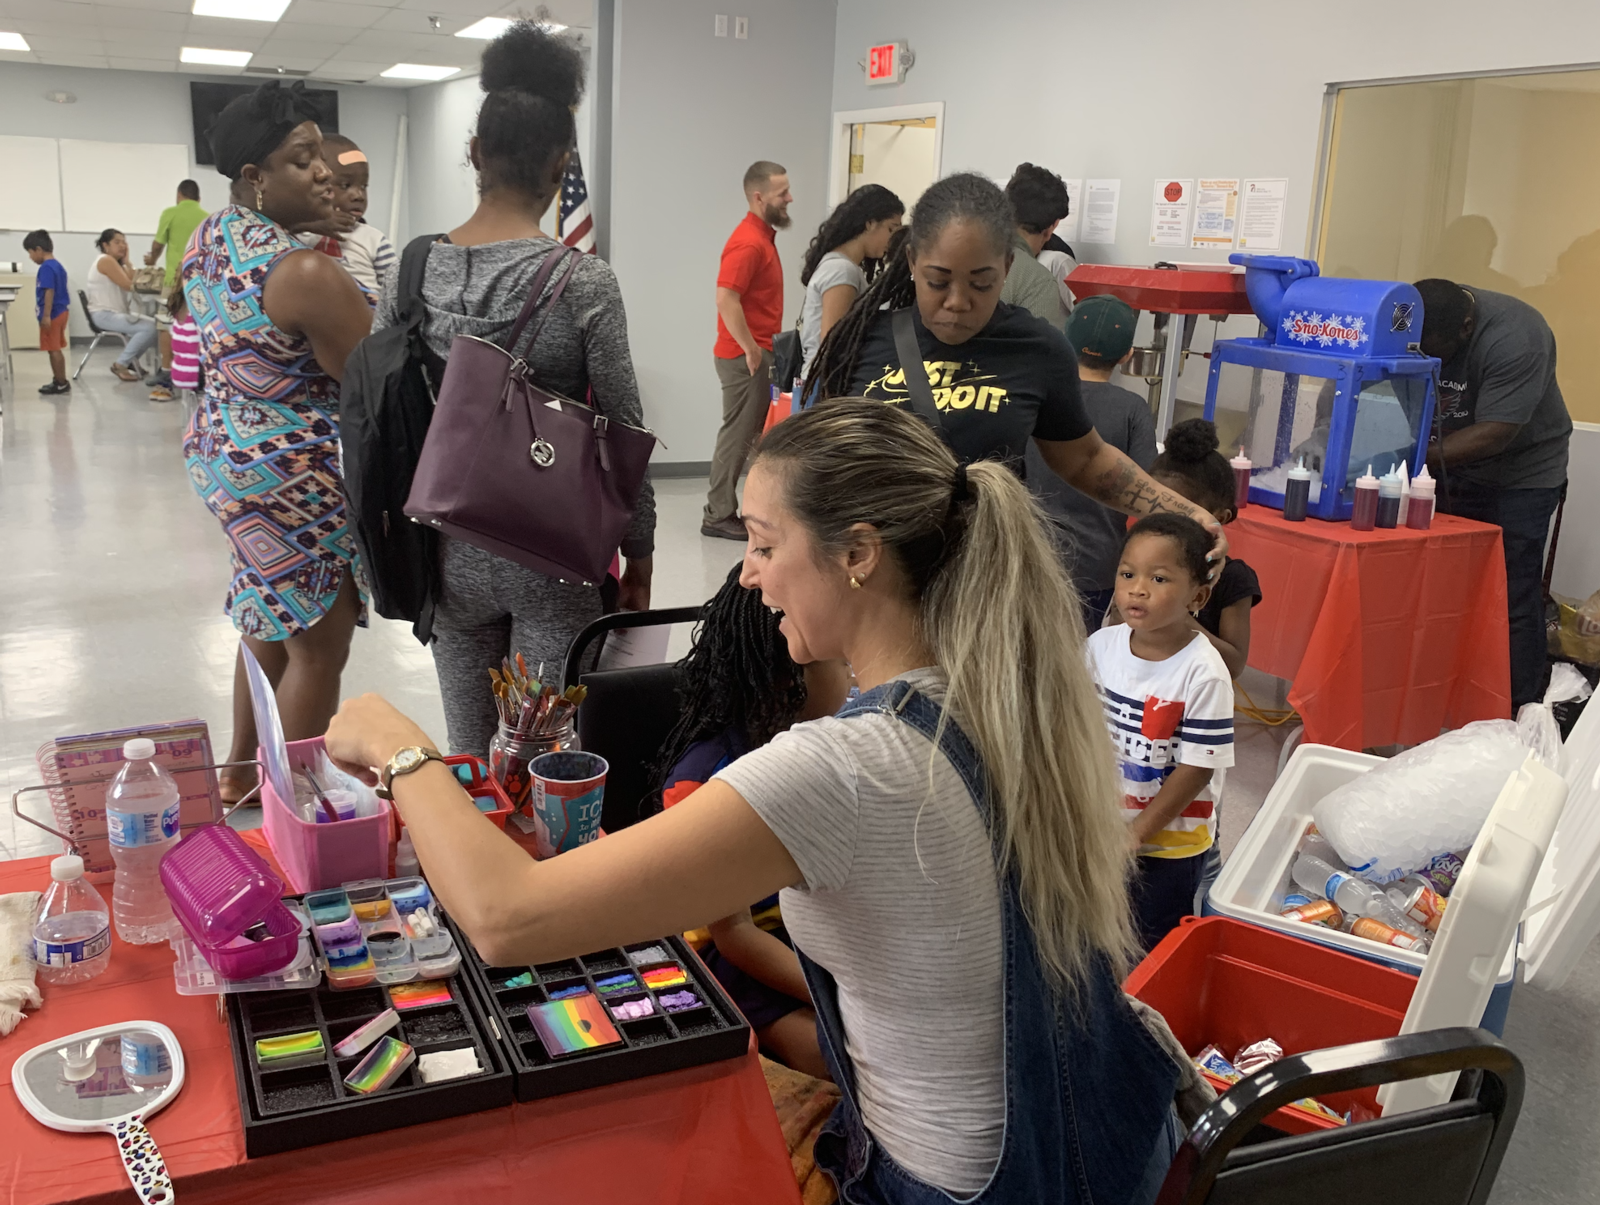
x,y
254,125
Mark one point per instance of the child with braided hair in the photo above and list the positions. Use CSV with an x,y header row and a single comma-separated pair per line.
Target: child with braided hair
x,y
740,688
846,252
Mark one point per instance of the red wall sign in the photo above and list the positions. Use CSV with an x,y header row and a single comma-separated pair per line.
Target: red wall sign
x,y
883,64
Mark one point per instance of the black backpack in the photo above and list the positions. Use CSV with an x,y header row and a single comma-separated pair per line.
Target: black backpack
x,y
386,403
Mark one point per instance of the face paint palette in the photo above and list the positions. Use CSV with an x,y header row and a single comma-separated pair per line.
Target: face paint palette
x,y
331,1062
609,1016
381,931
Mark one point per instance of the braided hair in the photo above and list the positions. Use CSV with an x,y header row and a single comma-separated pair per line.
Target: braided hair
x,y
869,203
738,675
965,196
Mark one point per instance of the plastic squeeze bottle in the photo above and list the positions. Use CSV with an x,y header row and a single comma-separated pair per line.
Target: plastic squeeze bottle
x,y
142,822
1241,480
1364,515
1297,493
72,929
1388,500
1419,514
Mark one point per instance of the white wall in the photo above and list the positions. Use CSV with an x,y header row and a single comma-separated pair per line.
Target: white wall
x,y
1234,88
151,106
691,112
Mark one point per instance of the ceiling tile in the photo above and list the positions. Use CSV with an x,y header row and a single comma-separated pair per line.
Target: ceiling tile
x,y
144,64
454,8
281,49
320,13
401,20
312,35
54,46
413,47
166,6
288,62
75,60
111,17
34,29
77,15
351,69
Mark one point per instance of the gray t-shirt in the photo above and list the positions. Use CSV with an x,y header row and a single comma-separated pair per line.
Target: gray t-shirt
x,y
582,350
832,270
1091,533
1031,285
1507,374
901,903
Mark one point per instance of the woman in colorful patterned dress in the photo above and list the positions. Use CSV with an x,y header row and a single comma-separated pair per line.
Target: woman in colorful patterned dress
x,y
276,321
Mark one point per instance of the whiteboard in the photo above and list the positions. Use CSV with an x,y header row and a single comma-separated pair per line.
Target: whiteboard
x,y
30,183
121,184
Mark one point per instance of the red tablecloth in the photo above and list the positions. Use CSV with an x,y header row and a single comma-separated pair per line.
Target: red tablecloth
x,y
707,1134
1387,636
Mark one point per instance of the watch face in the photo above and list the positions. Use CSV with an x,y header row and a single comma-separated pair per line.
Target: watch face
x,y
409,759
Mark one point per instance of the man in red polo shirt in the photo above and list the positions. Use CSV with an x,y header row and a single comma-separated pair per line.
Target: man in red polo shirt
x,y
749,312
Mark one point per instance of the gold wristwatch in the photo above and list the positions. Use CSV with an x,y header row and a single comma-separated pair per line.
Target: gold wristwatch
x,y
412,757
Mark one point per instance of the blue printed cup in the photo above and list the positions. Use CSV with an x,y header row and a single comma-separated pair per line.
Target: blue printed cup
x,y
569,788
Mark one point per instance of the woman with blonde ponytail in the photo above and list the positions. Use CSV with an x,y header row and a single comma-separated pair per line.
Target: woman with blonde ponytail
x,y
950,848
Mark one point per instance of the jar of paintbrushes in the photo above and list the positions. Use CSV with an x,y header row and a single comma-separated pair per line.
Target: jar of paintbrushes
x,y
535,718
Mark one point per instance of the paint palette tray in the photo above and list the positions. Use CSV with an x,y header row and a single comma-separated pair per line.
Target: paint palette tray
x,y
610,1016
301,1098
381,931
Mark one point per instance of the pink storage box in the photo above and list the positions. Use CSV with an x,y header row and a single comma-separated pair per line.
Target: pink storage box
x,y
315,857
219,888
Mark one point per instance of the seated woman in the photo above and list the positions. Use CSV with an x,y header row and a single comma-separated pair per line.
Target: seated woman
x,y
951,858
107,285
740,688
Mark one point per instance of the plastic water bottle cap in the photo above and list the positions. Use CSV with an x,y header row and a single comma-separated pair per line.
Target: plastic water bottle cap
x,y
66,868
140,748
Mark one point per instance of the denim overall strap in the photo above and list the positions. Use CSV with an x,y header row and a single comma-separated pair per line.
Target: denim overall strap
x,y
1087,1090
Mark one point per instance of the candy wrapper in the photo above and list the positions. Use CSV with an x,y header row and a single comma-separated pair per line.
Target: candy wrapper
x,y
1257,1055
1216,1064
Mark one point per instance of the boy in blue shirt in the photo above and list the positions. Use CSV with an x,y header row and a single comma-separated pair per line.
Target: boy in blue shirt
x,y
52,303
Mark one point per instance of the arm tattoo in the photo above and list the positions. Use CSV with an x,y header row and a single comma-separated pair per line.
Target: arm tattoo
x,y
1126,487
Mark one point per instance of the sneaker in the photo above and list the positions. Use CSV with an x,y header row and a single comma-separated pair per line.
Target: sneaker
x,y
161,394
731,528
55,387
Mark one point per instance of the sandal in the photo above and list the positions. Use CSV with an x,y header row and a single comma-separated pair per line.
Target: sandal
x,y
125,372
234,785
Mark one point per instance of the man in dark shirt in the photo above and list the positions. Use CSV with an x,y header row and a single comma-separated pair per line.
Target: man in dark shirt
x,y
1101,329
749,312
1502,446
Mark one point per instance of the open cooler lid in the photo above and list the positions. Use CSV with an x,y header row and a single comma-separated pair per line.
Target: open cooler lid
x,y
1556,935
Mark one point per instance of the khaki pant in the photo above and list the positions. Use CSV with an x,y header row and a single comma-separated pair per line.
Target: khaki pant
x,y
745,399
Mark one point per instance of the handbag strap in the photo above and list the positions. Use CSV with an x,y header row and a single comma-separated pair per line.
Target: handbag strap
x,y
905,346
541,278
413,267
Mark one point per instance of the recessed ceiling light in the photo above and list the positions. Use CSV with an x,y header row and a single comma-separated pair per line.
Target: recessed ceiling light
x,y
241,10
493,27
418,71
13,41
214,58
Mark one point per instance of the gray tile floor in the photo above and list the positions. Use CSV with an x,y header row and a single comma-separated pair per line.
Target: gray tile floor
x,y
111,581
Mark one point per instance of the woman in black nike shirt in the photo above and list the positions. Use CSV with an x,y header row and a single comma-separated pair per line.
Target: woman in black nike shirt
x,y
999,375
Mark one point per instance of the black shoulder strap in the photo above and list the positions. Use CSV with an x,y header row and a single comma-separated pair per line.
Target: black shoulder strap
x,y
905,346
413,267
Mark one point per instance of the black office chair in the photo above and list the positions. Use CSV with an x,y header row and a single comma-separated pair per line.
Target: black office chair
x,y
627,712
1445,1154
99,333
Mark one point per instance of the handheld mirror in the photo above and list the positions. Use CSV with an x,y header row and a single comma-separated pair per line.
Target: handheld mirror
x,y
108,1079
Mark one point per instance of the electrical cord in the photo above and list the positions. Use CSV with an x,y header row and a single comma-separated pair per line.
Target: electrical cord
x,y
1272,717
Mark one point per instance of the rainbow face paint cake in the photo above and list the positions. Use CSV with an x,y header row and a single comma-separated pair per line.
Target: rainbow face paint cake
x,y
385,1063
369,1033
657,978
573,1026
289,1046
419,994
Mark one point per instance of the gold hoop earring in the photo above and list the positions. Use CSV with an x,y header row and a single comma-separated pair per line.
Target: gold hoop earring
x,y
855,583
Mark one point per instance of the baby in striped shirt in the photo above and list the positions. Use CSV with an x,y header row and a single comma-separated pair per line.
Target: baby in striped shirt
x,y
1168,703
185,349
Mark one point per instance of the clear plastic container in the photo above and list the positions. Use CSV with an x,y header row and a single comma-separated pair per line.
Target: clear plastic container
x,y
72,929
143,824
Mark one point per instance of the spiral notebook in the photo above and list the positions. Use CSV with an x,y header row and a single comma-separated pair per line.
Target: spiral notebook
x,y
79,769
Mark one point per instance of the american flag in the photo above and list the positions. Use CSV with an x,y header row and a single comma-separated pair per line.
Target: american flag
x,y
574,222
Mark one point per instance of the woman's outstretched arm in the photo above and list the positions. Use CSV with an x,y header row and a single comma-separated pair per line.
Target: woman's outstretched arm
x,y
709,856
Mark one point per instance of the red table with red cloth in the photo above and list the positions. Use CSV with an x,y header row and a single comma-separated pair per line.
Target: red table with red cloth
x,y
706,1134
1387,636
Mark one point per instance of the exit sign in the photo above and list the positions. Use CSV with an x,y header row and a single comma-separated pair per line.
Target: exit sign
x,y
886,64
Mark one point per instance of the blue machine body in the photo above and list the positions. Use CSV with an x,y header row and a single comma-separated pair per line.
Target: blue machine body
x,y
1335,380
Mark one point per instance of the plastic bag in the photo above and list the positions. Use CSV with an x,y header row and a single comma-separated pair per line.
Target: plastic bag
x,y
1577,635
1399,816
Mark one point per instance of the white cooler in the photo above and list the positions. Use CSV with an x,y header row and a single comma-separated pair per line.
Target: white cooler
x,y
1543,878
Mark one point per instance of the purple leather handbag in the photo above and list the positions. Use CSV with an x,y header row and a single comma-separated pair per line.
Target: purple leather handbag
x,y
520,471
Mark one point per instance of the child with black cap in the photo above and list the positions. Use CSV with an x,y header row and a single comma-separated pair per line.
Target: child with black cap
x,y
1100,330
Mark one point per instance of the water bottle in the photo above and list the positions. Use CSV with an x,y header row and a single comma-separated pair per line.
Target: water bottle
x,y
1356,896
142,822
72,929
